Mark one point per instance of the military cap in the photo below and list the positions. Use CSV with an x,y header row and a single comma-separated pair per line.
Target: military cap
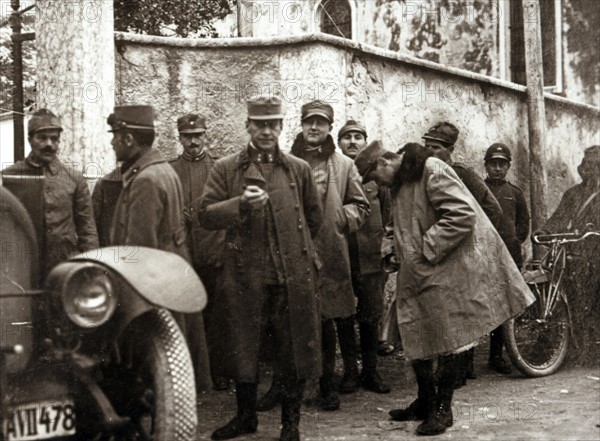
x,y
351,126
43,119
443,132
136,117
191,123
366,160
498,151
264,108
317,108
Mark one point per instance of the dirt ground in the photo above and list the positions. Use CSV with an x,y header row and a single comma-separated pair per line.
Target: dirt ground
x,y
564,406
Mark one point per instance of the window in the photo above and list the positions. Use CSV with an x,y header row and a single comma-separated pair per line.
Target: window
x,y
335,18
551,28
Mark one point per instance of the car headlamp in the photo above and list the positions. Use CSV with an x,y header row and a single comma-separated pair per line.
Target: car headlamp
x,y
88,297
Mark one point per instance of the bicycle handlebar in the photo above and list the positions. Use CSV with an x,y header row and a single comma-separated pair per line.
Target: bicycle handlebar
x,y
543,239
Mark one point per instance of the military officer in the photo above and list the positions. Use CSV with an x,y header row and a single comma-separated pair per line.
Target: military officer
x,y
193,167
149,210
268,203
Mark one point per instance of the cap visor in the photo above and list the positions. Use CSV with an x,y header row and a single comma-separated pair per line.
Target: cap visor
x,y
322,114
193,131
265,117
498,157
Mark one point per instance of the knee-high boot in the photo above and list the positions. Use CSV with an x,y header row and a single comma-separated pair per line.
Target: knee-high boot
x,y
246,420
426,396
347,340
441,417
290,410
370,379
496,361
329,399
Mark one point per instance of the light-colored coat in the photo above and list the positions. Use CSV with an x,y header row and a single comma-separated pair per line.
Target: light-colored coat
x,y
457,281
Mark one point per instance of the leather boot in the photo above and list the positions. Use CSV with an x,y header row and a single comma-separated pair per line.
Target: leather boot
x,y
461,365
496,362
471,374
290,411
441,417
423,405
273,396
246,420
329,399
347,339
370,379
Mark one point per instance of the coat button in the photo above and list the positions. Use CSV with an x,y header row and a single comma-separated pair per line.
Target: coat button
x,y
307,270
299,227
297,207
292,185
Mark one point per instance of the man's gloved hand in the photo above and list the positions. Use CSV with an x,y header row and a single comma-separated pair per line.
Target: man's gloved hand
x,y
254,198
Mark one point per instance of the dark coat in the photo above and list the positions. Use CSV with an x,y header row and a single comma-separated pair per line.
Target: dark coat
x,y
296,211
149,210
514,223
370,235
104,198
345,208
205,246
482,194
68,214
457,281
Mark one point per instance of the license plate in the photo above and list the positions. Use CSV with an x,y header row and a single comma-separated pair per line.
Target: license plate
x,y
44,420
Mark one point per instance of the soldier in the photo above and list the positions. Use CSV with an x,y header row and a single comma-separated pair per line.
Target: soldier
x,y
368,278
267,202
513,229
67,206
345,208
149,210
435,243
440,140
193,167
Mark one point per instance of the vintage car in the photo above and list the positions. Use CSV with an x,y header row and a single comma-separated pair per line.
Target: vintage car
x,y
92,352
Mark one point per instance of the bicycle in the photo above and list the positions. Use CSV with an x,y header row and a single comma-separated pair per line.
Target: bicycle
x,y
538,340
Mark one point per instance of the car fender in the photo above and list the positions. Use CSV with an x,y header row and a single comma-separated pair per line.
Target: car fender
x,y
162,278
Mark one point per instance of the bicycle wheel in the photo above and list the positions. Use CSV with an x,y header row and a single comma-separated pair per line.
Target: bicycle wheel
x,y
538,340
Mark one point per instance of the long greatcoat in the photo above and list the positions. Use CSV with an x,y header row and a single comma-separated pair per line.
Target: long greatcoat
x,y
149,211
457,280
345,209
296,210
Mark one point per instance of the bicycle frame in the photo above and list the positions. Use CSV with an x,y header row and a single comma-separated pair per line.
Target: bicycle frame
x,y
553,265
538,340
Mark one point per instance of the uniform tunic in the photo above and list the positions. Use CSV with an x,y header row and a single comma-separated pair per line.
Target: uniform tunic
x,y
514,222
68,215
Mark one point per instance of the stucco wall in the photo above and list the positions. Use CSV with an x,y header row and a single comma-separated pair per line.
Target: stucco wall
x,y
397,97
467,34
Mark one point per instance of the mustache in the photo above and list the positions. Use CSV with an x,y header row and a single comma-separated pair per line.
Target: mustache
x,y
49,150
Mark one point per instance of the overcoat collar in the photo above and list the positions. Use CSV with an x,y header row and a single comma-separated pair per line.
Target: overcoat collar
x,y
298,147
152,156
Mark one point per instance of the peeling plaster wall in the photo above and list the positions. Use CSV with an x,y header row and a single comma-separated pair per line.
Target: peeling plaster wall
x,y
397,98
465,34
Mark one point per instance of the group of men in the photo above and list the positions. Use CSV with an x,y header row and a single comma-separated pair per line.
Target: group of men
x,y
292,247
